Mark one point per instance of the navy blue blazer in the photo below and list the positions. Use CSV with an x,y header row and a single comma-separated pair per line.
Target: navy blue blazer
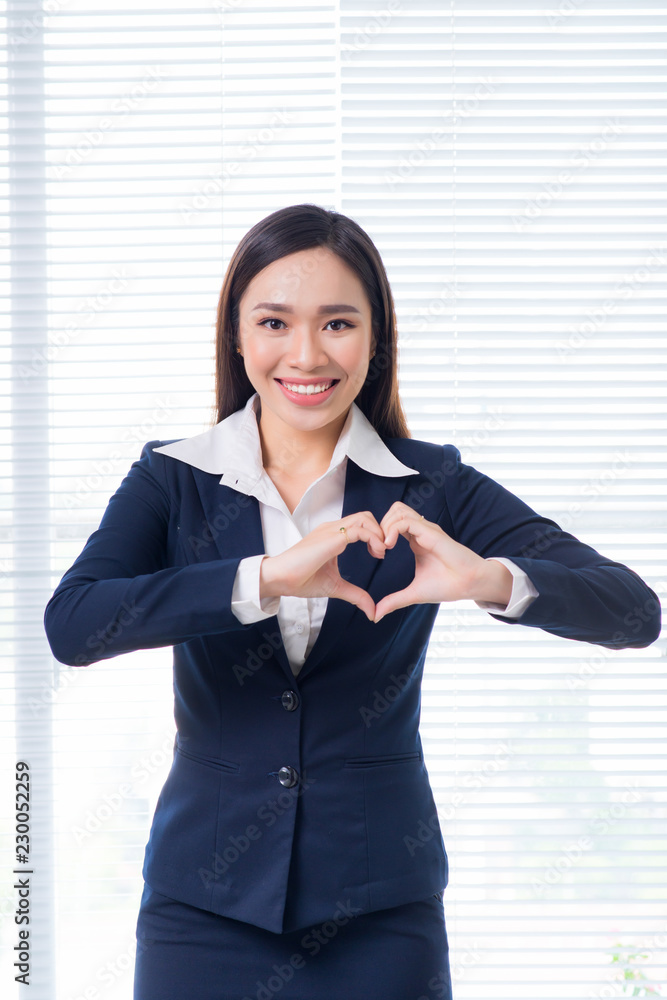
x,y
275,776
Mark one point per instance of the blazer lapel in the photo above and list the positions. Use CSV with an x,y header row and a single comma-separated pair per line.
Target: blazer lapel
x,y
233,520
363,491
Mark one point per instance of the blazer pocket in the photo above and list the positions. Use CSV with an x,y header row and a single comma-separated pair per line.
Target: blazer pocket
x,y
215,762
392,758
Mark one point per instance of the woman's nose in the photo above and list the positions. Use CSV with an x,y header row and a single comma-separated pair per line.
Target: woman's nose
x,y
307,349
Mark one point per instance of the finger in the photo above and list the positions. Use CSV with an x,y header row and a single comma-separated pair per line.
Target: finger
x,y
346,591
396,511
371,533
403,524
392,602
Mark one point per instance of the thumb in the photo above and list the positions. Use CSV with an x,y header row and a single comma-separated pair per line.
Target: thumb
x,y
392,602
356,595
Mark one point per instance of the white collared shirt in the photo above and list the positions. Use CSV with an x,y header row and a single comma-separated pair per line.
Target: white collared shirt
x,y
233,449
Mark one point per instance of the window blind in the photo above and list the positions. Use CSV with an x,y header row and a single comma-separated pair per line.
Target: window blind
x,y
509,165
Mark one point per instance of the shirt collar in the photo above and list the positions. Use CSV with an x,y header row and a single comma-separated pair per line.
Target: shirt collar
x,y
232,448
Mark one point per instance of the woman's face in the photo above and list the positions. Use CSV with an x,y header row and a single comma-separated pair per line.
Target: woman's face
x,y
306,318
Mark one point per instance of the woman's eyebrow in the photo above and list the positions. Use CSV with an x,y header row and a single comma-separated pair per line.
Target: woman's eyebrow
x,y
322,311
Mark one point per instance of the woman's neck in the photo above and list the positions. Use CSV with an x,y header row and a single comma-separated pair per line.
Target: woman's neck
x,y
295,453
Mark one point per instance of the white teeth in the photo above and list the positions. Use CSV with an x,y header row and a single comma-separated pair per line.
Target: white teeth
x,y
308,390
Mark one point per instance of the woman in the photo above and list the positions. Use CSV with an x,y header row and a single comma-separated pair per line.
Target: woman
x,y
295,849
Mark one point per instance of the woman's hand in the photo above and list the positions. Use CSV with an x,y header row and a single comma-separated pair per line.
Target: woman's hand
x,y
444,569
310,568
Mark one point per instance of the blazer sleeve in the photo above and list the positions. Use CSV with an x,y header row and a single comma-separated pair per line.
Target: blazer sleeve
x,y
121,594
581,593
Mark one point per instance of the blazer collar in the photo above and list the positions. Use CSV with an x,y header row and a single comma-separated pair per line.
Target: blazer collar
x,y
232,448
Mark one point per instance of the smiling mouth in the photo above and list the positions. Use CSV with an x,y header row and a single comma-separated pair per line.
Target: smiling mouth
x,y
308,390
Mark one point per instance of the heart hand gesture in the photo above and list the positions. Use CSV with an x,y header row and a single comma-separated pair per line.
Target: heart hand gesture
x,y
445,570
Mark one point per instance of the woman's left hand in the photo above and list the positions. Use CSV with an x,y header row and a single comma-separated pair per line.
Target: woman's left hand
x,y
445,570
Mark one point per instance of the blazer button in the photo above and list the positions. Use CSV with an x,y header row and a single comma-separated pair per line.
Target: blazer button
x,y
288,777
290,700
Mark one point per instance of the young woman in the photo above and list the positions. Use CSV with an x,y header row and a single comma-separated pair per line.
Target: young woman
x,y
295,555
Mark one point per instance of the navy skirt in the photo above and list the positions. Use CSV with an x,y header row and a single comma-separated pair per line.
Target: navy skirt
x,y
400,953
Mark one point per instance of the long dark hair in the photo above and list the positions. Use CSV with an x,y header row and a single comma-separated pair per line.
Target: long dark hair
x,y
287,231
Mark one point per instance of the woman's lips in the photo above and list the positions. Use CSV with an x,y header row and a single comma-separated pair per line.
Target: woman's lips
x,y
305,399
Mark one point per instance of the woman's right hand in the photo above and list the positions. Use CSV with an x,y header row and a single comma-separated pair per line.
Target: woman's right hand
x,y
310,568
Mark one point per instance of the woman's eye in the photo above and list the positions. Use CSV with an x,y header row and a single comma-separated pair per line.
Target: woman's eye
x,y
271,319
344,321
